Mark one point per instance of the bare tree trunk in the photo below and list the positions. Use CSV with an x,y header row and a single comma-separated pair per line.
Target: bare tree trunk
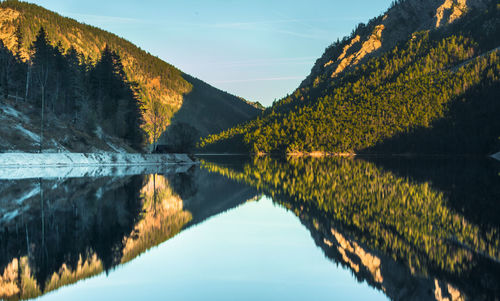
x,y
56,99
27,240
28,78
154,138
41,125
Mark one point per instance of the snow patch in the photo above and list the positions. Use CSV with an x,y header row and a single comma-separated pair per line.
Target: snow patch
x,y
116,148
27,133
99,132
12,112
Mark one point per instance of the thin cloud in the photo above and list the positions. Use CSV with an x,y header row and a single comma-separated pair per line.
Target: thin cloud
x,y
104,19
239,25
302,35
264,62
259,79
278,26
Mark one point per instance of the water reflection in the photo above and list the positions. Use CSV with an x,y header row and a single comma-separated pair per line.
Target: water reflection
x,y
401,227
414,229
55,232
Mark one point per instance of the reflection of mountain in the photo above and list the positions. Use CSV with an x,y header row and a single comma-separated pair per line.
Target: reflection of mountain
x,y
206,194
172,203
463,178
400,235
63,231
378,269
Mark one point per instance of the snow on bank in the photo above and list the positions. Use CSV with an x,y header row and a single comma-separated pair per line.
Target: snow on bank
x,y
80,159
15,166
496,156
92,171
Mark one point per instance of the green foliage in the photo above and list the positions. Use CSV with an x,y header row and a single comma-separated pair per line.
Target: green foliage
x,y
154,78
91,41
114,98
156,81
87,97
403,90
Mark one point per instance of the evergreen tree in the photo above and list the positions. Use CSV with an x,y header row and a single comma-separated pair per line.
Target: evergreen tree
x,y
418,97
42,68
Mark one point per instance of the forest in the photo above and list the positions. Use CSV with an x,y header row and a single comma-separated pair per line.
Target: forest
x,y
158,84
93,96
437,92
166,94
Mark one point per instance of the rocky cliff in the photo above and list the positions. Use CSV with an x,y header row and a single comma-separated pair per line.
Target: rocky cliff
x,y
382,33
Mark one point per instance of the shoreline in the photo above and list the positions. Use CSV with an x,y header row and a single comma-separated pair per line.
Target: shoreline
x,y
318,154
19,159
90,171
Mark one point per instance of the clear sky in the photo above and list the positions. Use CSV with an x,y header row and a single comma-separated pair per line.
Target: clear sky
x,y
260,50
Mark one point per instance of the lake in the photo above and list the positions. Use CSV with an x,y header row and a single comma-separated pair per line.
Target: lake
x,y
238,228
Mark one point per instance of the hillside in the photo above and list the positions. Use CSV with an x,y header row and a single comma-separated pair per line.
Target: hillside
x,y
158,84
384,32
217,112
19,132
421,78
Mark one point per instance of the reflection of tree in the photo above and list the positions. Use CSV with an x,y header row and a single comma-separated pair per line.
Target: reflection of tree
x,y
74,229
162,217
106,223
72,236
469,182
93,225
184,184
407,221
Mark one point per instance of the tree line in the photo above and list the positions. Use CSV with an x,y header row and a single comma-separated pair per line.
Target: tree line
x,y
432,82
92,96
158,83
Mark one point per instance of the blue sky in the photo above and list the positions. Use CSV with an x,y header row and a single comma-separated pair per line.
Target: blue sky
x,y
260,50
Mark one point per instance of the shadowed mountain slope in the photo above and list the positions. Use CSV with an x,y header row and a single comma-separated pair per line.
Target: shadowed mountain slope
x,y
157,81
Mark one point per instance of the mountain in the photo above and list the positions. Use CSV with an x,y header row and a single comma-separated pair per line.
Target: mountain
x,y
217,112
421,78
158,84
383,33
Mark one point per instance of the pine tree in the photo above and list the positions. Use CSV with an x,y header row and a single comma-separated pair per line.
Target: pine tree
x,y
42,69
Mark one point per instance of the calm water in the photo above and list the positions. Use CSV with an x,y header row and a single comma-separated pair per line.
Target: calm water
x,y
233,228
